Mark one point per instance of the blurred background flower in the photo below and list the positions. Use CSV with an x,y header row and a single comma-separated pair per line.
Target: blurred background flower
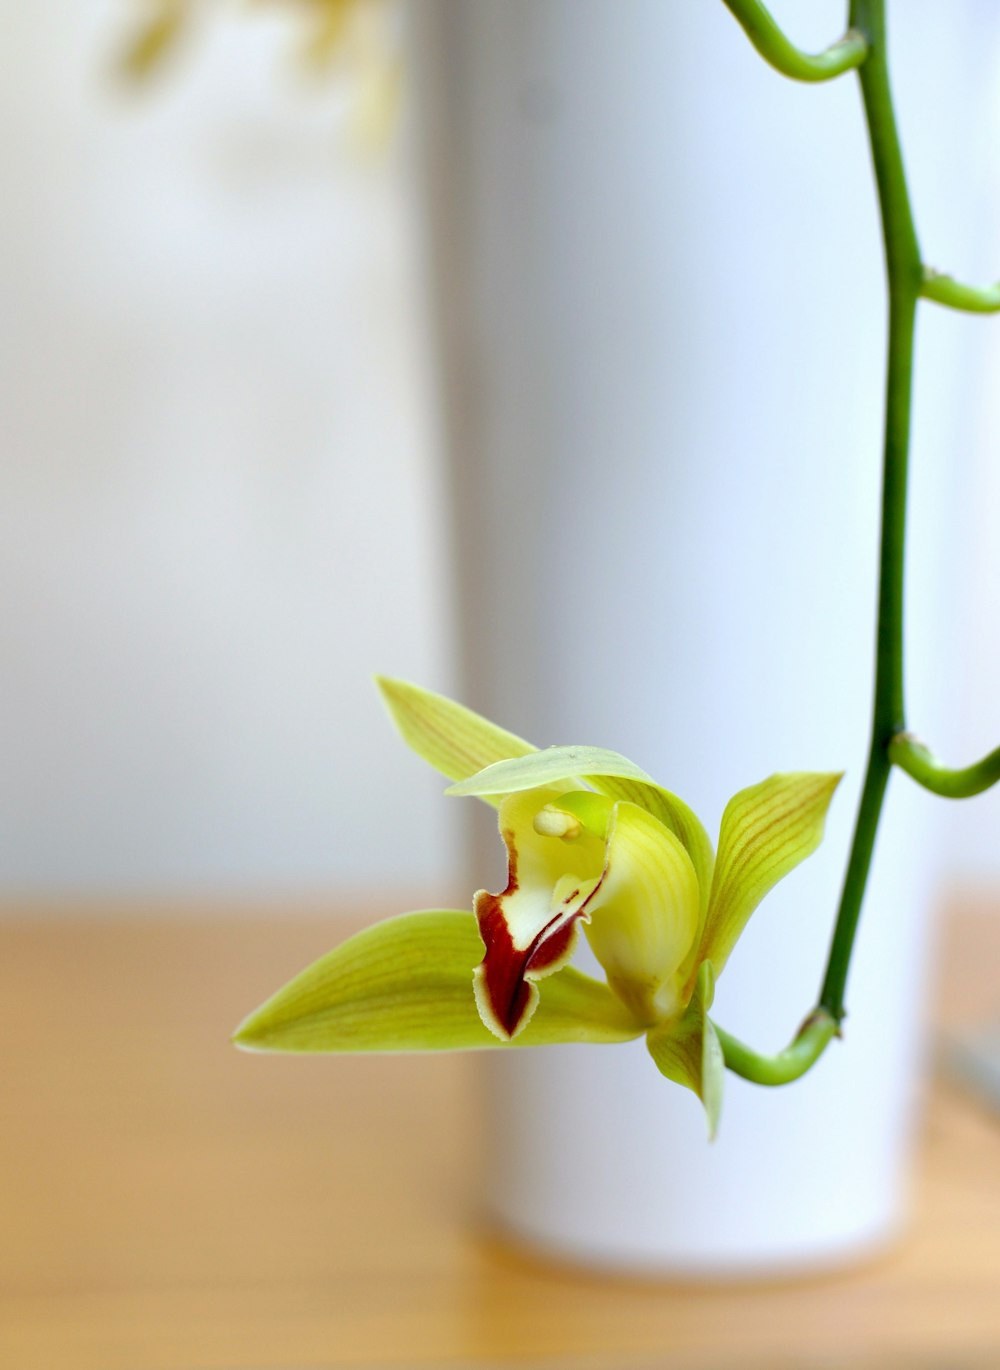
x,y
357,41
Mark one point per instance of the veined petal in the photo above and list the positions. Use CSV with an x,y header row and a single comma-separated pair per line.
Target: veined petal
x,y
530,928
689,1053
674,814
406,985
456,741
547,767
766,831
643,915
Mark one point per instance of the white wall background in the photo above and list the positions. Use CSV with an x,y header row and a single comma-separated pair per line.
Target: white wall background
x,y
219,499
218,512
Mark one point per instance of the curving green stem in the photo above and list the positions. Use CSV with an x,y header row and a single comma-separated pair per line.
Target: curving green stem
x,y
920,763
775,48
800,1055
973,299
904,276
907,282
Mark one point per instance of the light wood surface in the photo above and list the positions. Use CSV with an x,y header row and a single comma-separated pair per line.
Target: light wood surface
x,y
167,1203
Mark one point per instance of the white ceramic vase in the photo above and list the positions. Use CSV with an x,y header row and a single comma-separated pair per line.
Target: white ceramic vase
x,y
658,285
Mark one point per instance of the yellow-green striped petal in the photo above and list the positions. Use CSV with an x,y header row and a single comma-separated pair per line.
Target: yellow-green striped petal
x,y
643,915
406,985
766,831
456,741
674,814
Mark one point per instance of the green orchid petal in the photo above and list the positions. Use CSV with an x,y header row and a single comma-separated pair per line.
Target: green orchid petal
x,y
674,814
766,831
406,985
550,766
643,915
689,1052
453,739
613,775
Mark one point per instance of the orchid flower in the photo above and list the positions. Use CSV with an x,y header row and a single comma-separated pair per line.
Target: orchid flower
x,y
594,847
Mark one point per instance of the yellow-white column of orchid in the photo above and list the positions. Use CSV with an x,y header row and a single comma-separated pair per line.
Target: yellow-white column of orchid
x,y
592,842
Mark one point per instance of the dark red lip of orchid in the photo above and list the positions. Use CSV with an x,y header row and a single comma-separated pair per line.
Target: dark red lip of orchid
x,y
505,968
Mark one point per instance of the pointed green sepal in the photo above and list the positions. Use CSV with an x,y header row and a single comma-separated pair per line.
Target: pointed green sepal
x,y
689,1053
406,985
766,831
453,739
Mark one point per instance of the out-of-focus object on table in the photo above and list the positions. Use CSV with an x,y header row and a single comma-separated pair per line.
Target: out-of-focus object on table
x,y
167,1202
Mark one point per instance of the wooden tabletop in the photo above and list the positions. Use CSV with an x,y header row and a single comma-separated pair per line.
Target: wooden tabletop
x,y
167,1203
